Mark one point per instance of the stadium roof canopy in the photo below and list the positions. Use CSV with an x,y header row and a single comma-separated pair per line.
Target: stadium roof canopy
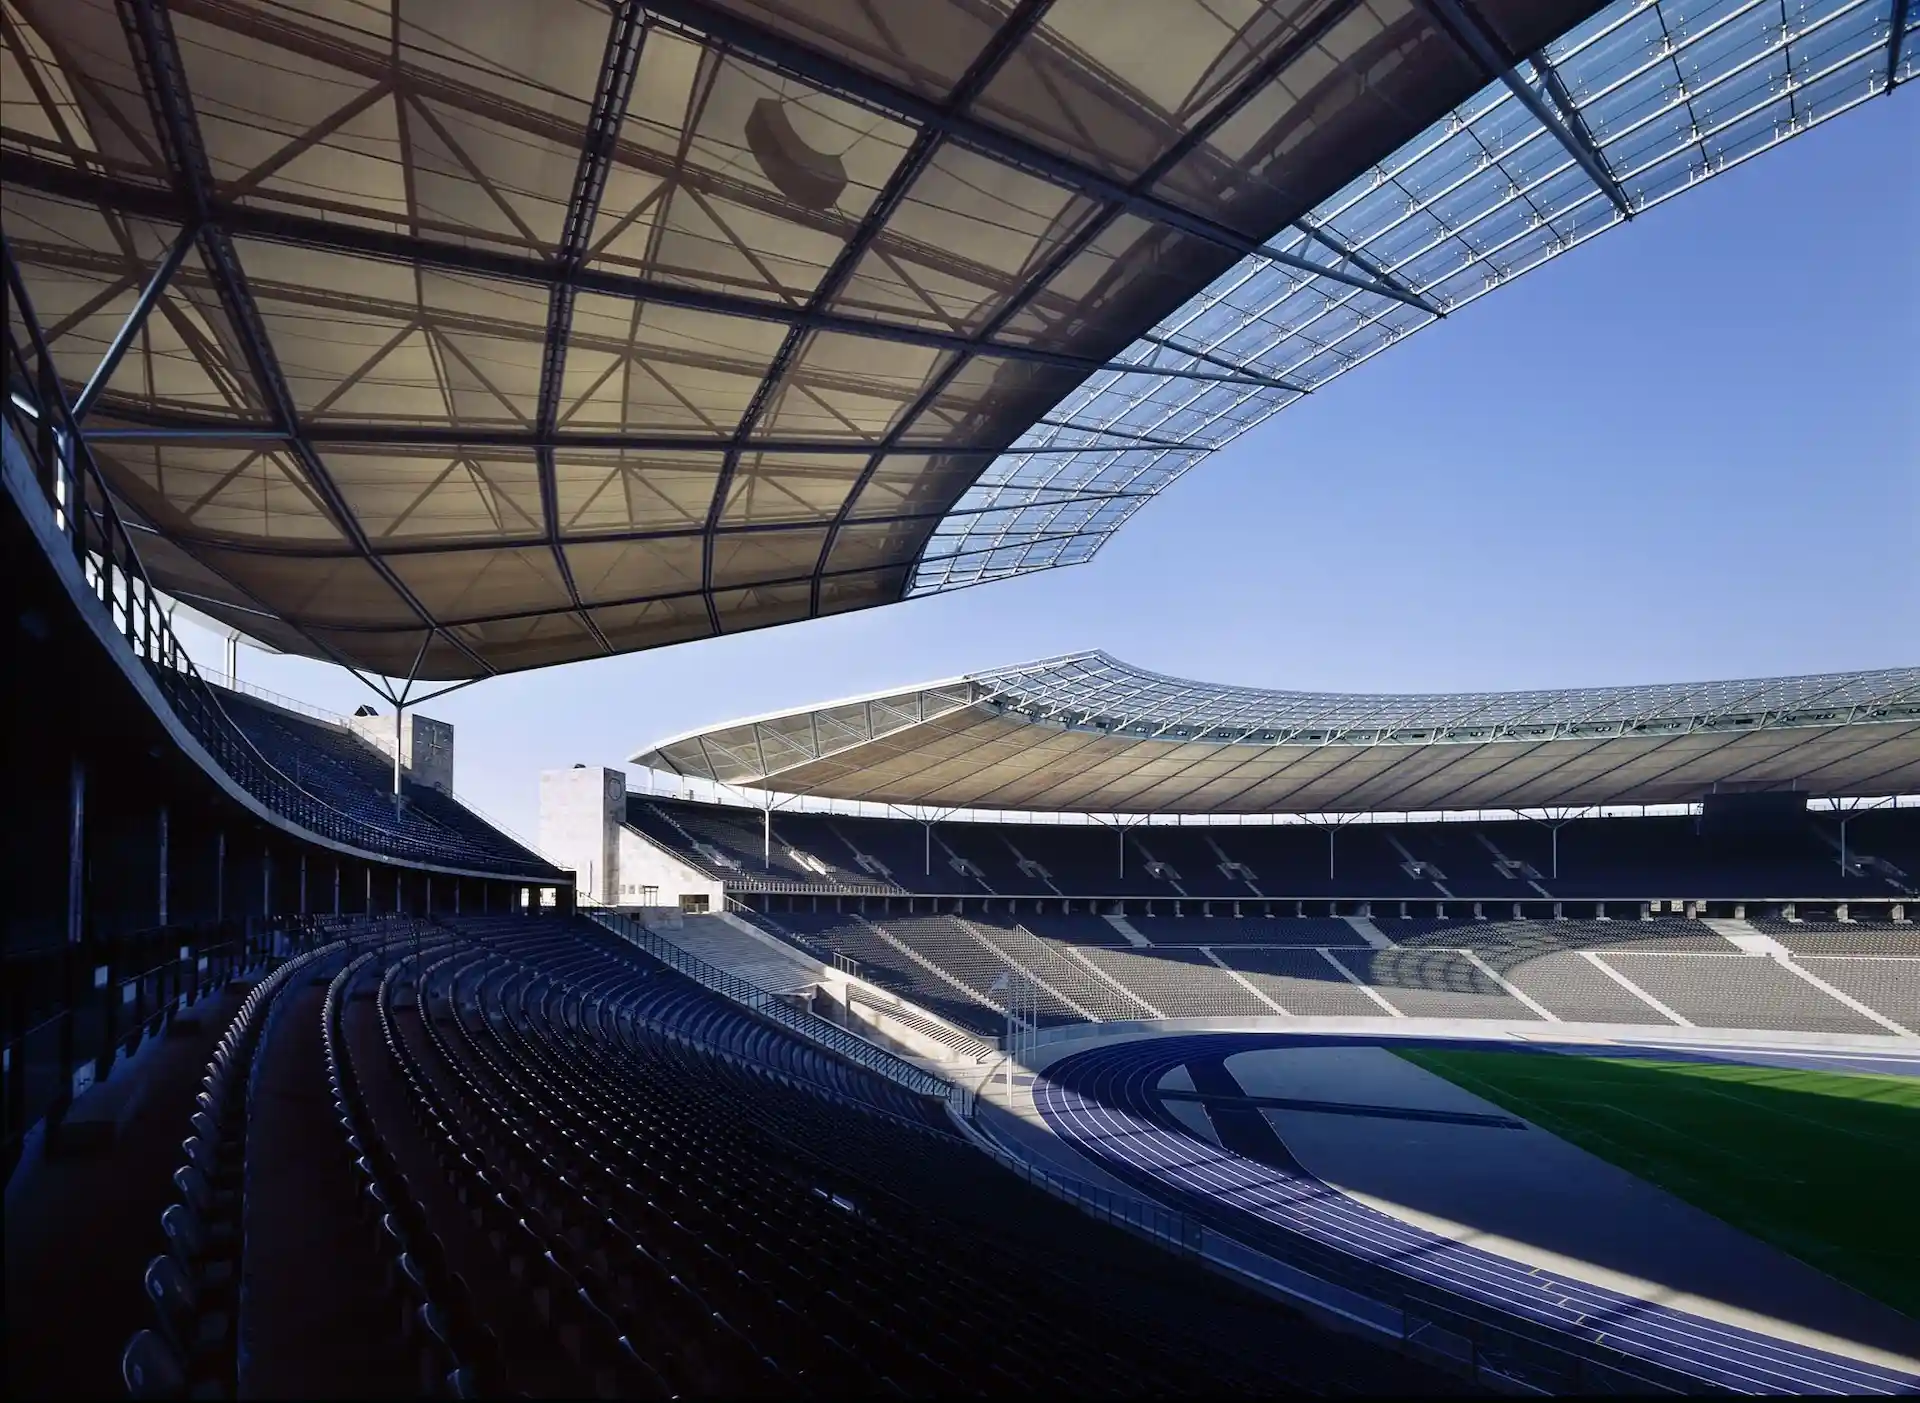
x,y
1089,734
446,337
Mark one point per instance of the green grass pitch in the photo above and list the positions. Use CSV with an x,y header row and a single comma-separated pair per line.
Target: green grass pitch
x,y
1824,1165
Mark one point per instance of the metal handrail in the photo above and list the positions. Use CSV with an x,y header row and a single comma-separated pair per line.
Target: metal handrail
x,y
36,422
812,1028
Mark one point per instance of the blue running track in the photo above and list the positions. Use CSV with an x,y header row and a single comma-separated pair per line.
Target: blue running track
x,y
1105,1103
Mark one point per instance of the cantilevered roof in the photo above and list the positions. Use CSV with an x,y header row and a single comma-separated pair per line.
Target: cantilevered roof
x,y
1641,102
446,337
1089,734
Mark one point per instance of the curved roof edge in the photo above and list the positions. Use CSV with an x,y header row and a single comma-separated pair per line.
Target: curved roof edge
x,y
1639,103
1087,732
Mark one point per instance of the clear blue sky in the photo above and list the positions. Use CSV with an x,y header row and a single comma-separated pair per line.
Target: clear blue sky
x,y
1689,449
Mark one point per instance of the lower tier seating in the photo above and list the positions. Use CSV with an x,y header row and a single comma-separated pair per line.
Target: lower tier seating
x,y
527,1159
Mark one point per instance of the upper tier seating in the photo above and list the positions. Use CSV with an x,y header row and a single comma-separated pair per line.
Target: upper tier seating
x,y
1520,940
1614,858
1835,938
1276,930
339,768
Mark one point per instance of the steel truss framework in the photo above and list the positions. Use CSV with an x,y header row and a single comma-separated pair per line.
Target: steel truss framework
x,y
447,342
450,340
1087,733
1642,101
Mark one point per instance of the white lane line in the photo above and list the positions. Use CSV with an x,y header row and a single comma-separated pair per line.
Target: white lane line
x,y
1710,1349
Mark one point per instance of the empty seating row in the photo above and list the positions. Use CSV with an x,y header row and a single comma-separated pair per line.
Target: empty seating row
x,y
1837,938
344,772
1738,991
194,1285
1245,930
1669,933
1615,857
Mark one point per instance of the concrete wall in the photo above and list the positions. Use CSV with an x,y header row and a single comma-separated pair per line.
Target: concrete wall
x,y
426,746
580,814
644,863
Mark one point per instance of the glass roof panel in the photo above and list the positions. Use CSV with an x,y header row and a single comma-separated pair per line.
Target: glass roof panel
x,y
1099,691
1670,92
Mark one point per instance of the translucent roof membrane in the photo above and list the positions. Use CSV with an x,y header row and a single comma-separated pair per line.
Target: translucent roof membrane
x,y
1099,692
446,339
1645,100
1087,733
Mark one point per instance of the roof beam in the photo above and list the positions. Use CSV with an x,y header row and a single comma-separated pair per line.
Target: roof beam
x,y
902,179
1299,42
245,221
452,437
1272,382
1575,128
625,35
1467,29
130,328
835,75
157,54
16,289
1896,38
1367,264
688,531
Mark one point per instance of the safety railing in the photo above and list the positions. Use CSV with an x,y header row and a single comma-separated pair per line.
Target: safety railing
x,y
957,1041
72,1010
805,944
1166,1225
816,1030
784,886
37,434
1433,1322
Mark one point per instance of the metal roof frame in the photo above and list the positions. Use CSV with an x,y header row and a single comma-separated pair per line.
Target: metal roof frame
x,y
1320,292
1221,749
1642,101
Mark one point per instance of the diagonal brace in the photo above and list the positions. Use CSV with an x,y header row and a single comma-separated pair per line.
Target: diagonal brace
x,y
130,328
1469,31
